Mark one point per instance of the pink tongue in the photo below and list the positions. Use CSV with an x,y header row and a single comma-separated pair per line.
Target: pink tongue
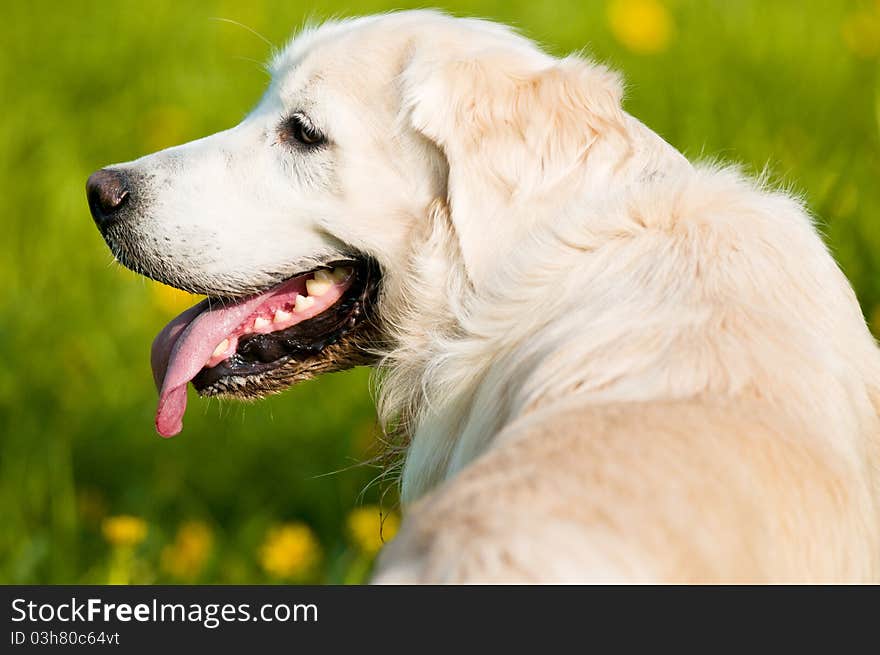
x,y
181,349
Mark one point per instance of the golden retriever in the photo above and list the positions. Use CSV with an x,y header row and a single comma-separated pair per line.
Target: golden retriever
x,y
608,364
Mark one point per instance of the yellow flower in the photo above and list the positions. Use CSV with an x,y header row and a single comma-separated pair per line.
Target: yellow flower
x,y
369,529
171,300
643,26
289,550
861,32
185,557
123,530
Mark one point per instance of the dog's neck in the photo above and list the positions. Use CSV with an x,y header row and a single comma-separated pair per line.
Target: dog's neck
x,y
438,412
606,306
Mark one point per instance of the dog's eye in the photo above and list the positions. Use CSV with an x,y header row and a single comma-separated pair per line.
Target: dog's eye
x,y
298,129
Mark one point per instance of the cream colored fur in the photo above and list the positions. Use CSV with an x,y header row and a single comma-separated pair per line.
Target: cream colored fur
x,y
616,366
606,364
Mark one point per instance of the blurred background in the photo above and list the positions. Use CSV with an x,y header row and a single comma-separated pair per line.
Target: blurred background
x,y
277,491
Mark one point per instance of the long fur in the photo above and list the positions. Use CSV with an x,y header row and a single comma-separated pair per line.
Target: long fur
x,y
706,284
603,362
672,283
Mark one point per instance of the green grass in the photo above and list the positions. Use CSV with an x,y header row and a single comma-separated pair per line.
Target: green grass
x,y
768,84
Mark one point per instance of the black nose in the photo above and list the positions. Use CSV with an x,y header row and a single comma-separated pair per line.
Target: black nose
x,y
108,193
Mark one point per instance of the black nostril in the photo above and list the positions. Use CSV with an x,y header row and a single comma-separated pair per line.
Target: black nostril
x,y
108,192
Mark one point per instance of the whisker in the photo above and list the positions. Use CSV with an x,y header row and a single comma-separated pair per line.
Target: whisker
x,y
356,464
260,64
245,27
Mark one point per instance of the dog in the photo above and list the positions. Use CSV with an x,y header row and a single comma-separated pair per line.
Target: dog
x,y
604,363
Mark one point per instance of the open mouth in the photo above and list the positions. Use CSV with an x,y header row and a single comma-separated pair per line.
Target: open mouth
x,y
265,342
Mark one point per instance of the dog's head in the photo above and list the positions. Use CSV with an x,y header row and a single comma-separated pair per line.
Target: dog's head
x,y
298,223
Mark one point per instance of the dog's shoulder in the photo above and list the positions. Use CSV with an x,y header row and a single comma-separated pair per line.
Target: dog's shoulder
x,y
615,492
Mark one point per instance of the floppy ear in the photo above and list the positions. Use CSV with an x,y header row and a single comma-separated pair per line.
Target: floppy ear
x,y
515,127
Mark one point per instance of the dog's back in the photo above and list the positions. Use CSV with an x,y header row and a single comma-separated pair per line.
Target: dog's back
x,y
688,491
714,423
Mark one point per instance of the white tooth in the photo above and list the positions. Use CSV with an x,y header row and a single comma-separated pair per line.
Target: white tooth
x,y
318,287
281,316
221,348
303,303
324,276
341,273
260,322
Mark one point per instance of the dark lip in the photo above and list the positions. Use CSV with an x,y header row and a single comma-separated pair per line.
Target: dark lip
x,y
257,361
